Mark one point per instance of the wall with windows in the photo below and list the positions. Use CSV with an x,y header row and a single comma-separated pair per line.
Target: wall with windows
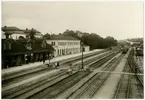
x,y
65,47
16,36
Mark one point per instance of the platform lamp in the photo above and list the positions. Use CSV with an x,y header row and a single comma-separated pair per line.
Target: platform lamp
x,y
81,44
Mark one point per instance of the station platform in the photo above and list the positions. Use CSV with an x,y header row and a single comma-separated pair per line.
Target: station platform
x,y
39,64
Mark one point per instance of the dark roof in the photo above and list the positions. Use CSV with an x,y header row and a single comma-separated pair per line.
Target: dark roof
x,y
19,47
61,37
29,30
85,45
5,29
13,29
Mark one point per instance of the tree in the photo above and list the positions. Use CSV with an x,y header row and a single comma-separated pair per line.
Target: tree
x,y
32,34
93,40
46,36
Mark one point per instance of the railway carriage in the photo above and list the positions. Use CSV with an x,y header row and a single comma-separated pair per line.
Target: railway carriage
x,y
124,50
139,52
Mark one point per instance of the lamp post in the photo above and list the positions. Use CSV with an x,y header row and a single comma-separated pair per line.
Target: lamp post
x,y
82,54
81,44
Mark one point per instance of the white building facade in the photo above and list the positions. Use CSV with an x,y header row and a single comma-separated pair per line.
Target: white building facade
x,y
86,48
64,46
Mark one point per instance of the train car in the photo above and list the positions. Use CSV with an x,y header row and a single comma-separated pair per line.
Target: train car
x,y
124,50
139,52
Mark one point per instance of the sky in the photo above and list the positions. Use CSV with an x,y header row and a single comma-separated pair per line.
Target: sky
x,y
119,19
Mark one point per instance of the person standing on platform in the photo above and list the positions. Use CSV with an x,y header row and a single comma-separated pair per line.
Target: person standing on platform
x,y
136,70
43,60
57,64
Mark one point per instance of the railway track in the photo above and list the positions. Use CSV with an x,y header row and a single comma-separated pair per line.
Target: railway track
x,y
96,60
30,86
84,57
139,78
25,76
36,71
102,61
134,67
60,86
48,88
124,86
77,63
17,77
40,68
88,89
130,86
139,63
57,89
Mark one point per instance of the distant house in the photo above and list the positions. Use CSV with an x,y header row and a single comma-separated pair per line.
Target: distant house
x,y
64,45
16,33
28,32
86,48
10,32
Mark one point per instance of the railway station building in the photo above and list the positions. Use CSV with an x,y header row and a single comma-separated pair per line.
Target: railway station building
x,y
64,45
19,51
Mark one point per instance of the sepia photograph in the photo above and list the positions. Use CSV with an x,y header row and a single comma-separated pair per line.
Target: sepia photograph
x,y
72,49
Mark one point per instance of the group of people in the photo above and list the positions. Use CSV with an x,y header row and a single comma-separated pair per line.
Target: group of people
x,y
56,65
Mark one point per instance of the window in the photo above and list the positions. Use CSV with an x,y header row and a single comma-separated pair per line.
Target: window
x,y
7,46
4,46
43,44
52,43
58,51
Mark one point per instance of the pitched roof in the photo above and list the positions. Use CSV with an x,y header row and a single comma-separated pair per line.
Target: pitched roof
x,y
85,45
20,46
12,30
29,30
5,28
61,37
16,30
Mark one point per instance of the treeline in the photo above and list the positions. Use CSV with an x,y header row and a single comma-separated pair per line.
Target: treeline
x,y
91,39
136,40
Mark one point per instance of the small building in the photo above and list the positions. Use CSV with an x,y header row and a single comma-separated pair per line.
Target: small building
x,y
64,45
86,48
